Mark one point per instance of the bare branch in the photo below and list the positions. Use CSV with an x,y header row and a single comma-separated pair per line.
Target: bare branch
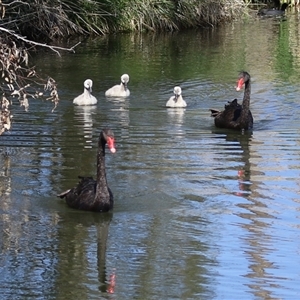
x,y
53,48
16,1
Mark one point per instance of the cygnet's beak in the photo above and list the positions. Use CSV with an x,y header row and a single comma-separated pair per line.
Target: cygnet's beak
x,y
176,97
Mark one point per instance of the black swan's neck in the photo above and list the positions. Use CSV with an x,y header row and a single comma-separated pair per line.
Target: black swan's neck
x,y
246,99
102,193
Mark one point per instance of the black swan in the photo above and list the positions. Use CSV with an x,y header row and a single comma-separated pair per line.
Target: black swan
x,y
236,116
90,194
273,12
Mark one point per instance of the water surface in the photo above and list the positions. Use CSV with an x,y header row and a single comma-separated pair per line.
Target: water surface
x,y
200,212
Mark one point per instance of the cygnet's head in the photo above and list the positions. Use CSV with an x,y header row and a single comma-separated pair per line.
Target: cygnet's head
x,y
125,80
177,92
88,84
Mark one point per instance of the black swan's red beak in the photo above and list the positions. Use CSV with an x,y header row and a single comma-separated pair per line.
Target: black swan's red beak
x,y
240,84
111,144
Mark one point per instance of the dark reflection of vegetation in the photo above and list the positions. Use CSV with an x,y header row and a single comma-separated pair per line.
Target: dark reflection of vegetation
x,y
180,55
5,179
284,58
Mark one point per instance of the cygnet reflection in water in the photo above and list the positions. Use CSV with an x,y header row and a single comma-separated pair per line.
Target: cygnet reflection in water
x,y
84,118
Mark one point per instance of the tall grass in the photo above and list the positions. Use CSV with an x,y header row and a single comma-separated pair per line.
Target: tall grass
x,y
173,15
51,19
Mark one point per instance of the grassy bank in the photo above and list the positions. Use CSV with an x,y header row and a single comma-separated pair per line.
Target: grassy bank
x,y
50,19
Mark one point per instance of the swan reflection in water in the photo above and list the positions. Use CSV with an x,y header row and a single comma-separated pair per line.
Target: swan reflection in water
x,y
236,145
254,209
121,109
244,172
84,116
176,117
84,242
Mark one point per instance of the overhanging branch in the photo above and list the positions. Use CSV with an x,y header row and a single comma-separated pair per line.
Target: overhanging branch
x,y
53,48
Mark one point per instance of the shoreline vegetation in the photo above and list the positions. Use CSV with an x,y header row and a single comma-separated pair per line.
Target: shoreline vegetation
x,y
45,20
33,24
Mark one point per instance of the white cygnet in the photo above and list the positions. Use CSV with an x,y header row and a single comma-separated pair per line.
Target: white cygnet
x,y
119,90
177,100
86,98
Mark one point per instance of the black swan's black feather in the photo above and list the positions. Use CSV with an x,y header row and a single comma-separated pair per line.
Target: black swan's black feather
x,y
273,12
236,116
91,194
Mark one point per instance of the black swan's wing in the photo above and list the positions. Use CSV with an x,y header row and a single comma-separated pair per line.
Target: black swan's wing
x,y
214,112
231,113
236,114
233,104
230,107
81,196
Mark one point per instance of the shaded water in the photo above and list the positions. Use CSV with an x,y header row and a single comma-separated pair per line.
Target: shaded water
x,y
200,213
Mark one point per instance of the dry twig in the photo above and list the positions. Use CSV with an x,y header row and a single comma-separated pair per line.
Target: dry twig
x,y
53,48
5,115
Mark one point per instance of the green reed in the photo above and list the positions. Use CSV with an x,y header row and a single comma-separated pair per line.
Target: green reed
x,y
51,19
